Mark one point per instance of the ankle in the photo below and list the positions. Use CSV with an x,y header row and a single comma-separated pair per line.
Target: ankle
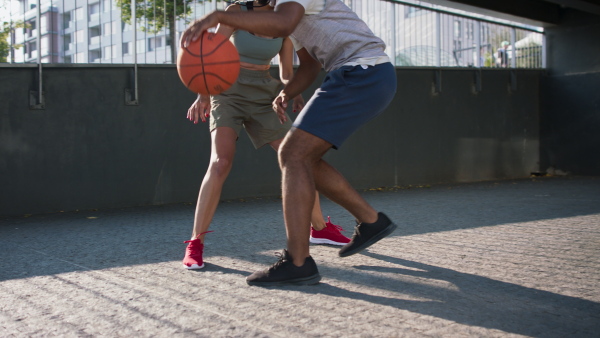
x,y
370,220
299,262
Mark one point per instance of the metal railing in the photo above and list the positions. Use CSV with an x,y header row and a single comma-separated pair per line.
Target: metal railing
x,y
417,35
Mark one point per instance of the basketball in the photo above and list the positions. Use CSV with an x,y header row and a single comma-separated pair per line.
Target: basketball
x,y
209,65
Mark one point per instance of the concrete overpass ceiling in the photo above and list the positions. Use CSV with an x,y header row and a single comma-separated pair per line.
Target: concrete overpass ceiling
x,y
541,13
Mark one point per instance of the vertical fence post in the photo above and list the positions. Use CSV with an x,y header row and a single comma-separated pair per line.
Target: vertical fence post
x,y
173,43
543,50
131,96
438,37
513,52
392,26
36,102
478,54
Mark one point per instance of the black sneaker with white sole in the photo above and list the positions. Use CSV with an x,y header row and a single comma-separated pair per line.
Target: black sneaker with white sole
x,y
367,234
284,272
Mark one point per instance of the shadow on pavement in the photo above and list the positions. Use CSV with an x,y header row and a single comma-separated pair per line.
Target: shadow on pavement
x,y
473,300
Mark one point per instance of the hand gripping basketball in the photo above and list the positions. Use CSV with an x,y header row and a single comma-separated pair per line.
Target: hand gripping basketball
x,y
209,65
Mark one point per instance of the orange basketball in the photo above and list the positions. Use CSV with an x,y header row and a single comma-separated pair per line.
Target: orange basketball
x,y
209,65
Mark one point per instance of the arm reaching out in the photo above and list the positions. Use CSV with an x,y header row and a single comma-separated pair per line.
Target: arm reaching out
x,y
305,75
278,23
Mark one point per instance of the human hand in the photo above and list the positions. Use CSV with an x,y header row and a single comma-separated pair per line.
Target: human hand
x,y
198,27
200,109
298,103
280,105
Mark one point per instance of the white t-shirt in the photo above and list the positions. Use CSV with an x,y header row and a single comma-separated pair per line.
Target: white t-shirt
x,y
310,6
335,36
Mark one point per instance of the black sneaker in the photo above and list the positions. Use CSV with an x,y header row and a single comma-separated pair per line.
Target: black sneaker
x,y
284,272
366,234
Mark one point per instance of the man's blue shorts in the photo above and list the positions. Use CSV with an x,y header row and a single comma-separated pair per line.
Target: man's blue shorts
x,y
348,98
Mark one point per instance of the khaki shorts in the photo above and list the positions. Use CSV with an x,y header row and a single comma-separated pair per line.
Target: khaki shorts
x,y
248,104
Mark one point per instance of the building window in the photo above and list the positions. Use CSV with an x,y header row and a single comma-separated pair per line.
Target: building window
x,y
95,55
94,35
140,46
67,42
79,13
470,31
154,43
79,57
44,46
78,36
31,30
106,5
67,20
126,48
110,52
107,29
457,29
32,50
94,8
43,24
94,11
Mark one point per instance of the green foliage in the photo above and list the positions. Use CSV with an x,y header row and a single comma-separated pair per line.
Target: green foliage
x,y
156,14
7,28
488,60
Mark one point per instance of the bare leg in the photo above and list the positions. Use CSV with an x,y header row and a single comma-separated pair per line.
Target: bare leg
x,y
221,160
316,220
332,184
302,167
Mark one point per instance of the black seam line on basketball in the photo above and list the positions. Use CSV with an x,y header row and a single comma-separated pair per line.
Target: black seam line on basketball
x,y
209,53
213,74
208,64
202,62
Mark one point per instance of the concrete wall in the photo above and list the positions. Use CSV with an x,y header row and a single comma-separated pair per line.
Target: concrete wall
x,y
570,120
88,149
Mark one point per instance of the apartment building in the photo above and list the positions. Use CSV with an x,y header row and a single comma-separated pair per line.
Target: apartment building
x,y
91,31
75,31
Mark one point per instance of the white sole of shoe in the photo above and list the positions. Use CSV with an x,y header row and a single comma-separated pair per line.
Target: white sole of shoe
x,y
325,241
194,266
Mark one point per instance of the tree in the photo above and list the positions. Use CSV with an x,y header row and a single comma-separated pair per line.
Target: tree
x,y
6,32
157,14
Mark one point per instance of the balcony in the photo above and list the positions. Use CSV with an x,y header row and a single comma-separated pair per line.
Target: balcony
x,y
95,40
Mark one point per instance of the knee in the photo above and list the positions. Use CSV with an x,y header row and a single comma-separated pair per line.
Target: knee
x,y
220,166
288,156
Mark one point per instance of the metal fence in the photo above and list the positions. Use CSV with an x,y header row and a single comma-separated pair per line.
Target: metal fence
x,y
101,31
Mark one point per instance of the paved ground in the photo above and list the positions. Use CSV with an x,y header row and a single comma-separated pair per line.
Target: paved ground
x,y
506,259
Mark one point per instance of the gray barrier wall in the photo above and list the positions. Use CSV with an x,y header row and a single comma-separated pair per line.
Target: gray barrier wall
x,y
87,149
570,125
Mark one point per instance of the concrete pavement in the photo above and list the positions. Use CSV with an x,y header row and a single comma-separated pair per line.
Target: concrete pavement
x,y
495,259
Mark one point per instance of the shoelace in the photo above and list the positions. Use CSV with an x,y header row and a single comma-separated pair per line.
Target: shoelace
x,y
191,240
339,228
280,259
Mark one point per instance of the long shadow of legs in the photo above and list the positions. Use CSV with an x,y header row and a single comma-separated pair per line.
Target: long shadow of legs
x,y
471,299
211,267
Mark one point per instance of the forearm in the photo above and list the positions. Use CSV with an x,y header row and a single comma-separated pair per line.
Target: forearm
x,y
304,77
264,23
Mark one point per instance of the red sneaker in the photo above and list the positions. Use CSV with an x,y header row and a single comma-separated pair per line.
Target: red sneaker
x,y
329,235
193,254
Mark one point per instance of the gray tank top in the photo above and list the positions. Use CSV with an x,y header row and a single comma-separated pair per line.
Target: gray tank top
x,y
337,35
254,49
